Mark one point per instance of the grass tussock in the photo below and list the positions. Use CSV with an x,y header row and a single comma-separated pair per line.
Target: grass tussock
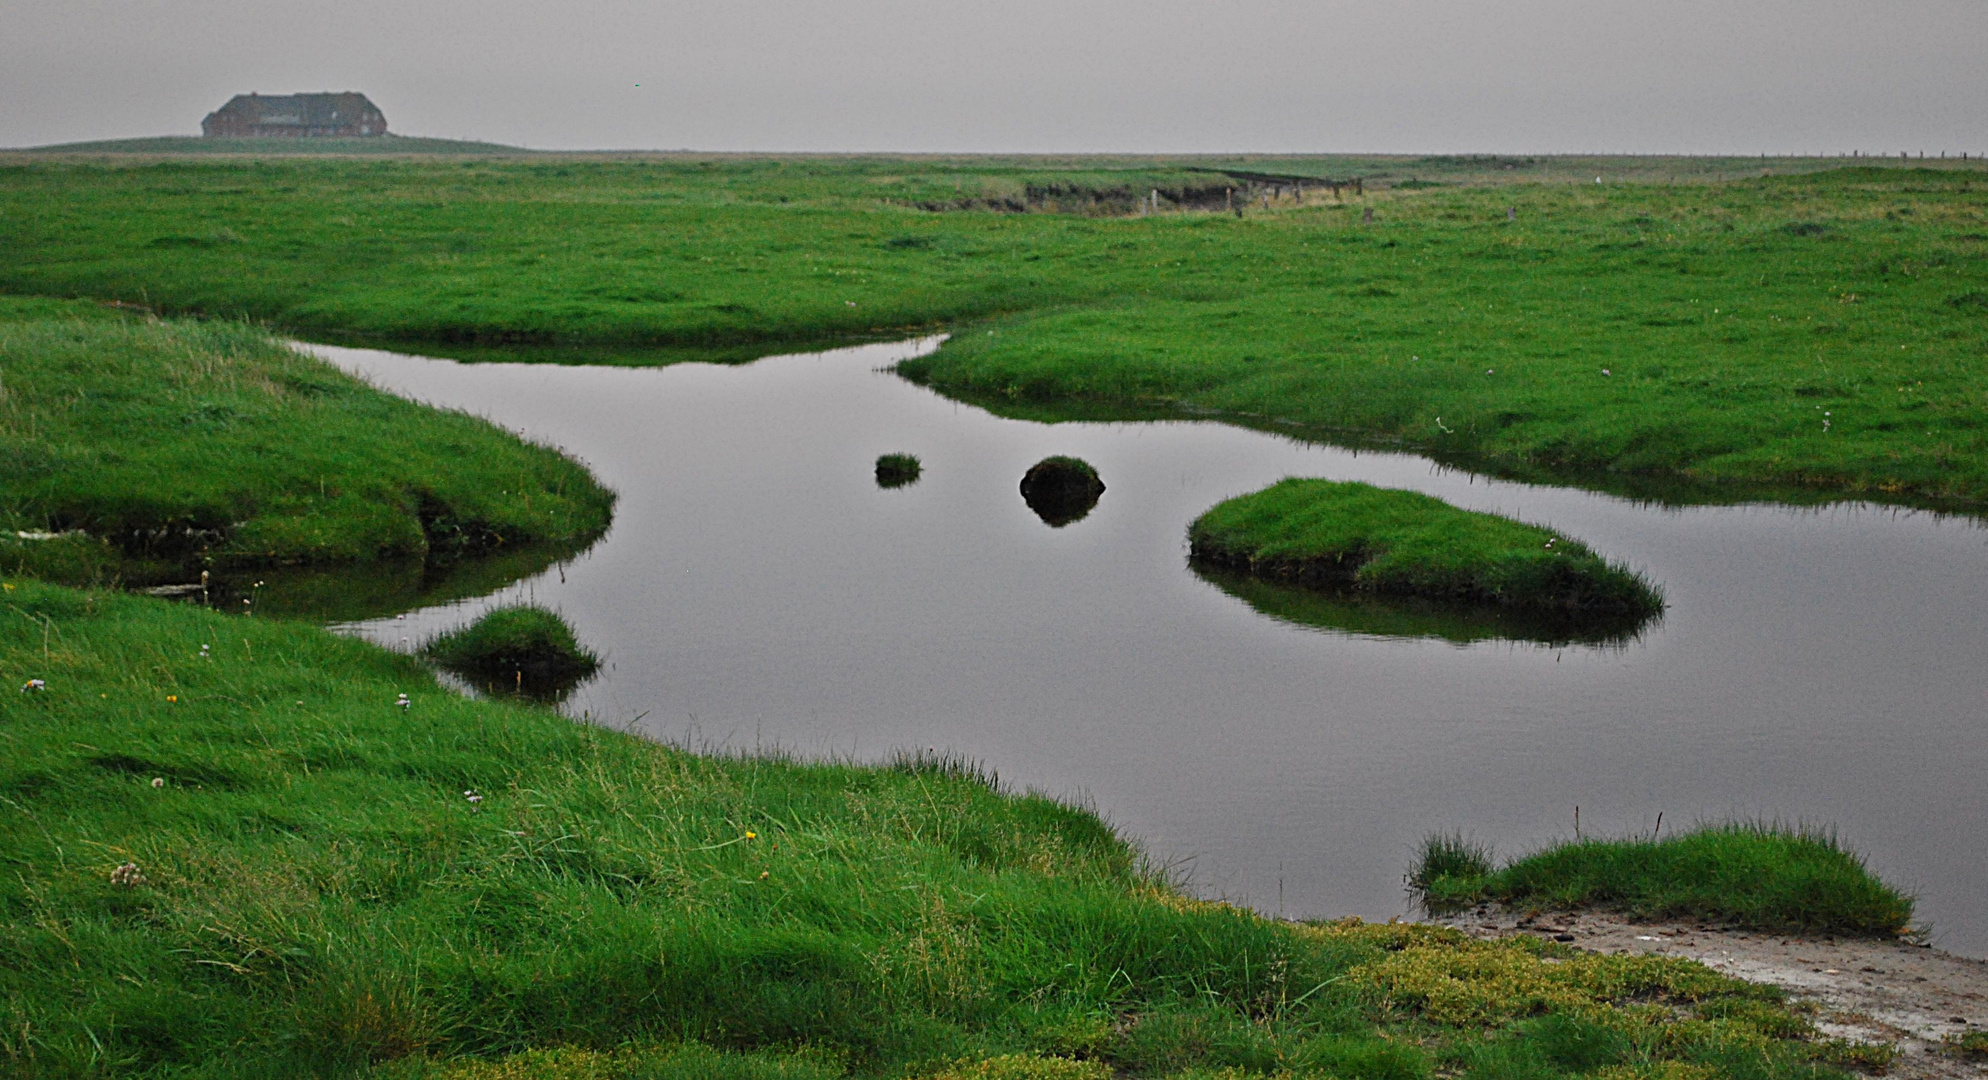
x,y
213,444
524,647
232,853
1367,539
1728,336
898,470
1755,875
1061,489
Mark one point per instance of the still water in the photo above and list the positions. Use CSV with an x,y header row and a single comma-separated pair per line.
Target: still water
x,y
760,590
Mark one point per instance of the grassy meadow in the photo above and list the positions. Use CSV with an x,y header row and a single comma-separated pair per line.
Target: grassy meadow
x,y
246,847
159,447
231,851
1700,329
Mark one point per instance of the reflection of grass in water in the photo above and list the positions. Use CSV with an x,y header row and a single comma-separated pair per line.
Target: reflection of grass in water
x,y
324,594
1348,612
373,590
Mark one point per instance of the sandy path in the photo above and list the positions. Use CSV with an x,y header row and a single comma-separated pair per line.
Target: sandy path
x,y
1870,991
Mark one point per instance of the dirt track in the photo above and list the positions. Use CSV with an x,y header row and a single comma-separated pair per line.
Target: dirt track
x,y
1870,991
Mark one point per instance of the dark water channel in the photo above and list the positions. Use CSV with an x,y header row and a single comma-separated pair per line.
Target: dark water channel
x,y
759,589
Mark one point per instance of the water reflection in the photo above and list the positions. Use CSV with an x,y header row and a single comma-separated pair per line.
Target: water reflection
x,y
1348,612
351,593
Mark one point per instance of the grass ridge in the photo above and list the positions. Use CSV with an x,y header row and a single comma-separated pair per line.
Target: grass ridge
x,y
1765,875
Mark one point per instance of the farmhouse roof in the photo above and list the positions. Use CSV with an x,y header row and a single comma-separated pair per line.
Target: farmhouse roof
x,y
304,110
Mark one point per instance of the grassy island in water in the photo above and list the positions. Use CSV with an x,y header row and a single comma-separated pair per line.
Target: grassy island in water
x,y
1364,538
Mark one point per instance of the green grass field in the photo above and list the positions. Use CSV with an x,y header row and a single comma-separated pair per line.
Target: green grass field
x,y
163,447
1693,329
231,852
249,848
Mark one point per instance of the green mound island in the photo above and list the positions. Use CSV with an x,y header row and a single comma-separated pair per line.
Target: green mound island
x,y
1363,538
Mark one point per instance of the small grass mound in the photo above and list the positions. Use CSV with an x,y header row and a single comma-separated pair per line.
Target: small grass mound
x,y
1061,489
1368,539
898,470
525,647
1762,876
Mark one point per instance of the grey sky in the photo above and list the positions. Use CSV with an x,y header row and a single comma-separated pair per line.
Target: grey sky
x,y
1690,76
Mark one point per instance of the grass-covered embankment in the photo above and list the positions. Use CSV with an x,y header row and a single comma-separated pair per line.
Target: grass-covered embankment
x,y
230,853
1762,876
1380,540
169,443
1800,336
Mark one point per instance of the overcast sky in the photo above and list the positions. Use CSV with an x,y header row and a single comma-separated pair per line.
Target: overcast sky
x,y
1686,76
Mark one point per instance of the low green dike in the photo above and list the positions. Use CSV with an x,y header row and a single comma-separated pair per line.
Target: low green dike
x,y
1362,538
164,446
231,851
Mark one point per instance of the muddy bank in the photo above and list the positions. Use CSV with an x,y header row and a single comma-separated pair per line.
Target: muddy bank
x,y
1882,991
